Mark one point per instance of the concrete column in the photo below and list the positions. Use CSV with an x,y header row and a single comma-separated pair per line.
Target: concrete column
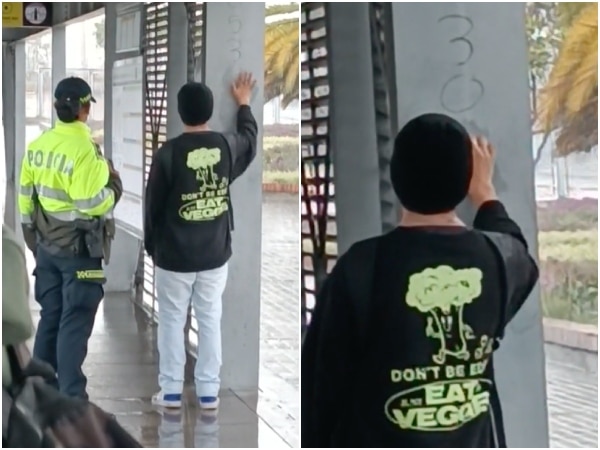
x,y
110,46
8,126
59,58
234,41
13,108
469,60
352,131
177,64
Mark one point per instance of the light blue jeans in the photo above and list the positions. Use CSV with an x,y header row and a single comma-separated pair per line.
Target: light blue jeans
x,y
175,291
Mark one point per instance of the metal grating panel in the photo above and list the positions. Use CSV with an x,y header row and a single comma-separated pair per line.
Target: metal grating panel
x,y
155,116
318,209
195,13
379,13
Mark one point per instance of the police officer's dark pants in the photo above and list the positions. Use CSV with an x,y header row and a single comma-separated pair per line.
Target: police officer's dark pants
x,y
69,302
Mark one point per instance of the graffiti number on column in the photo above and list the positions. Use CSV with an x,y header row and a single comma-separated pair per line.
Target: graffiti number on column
x,y
236,44
476,90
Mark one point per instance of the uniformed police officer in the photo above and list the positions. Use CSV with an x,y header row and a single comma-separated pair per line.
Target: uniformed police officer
x,y
67,194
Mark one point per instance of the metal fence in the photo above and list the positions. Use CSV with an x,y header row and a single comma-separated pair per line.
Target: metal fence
x,y
318,187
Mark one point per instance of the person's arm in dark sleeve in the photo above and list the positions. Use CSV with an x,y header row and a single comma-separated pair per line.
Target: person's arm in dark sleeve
x,y
243,142
519,270
492,216
156,198
328,355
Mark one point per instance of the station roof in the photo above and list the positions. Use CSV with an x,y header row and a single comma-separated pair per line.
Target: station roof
x,y
19,19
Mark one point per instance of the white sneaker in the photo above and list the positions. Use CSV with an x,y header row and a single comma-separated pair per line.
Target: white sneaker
x,y
208,402
166,400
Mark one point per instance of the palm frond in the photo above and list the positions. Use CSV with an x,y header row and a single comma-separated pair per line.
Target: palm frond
x,y
573,81
282,60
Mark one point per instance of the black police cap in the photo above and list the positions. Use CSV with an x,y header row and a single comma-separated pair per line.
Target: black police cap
x,y
74,87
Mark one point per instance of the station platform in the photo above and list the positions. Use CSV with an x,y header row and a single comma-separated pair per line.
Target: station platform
x,y
122,363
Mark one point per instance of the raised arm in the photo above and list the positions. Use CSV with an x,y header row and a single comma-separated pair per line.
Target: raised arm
x,y
519,270
243,142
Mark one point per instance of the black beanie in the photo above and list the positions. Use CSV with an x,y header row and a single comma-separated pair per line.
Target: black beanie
x,y
432,164
195,103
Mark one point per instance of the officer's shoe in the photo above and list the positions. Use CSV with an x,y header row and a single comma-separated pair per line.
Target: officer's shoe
x,y
208,402
167,400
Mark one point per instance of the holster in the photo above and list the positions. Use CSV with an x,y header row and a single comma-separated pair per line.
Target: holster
x,y
93,236
109,234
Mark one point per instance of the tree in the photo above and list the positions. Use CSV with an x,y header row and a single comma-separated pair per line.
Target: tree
x,y
282,62
569,101
99,33
544,35
37,54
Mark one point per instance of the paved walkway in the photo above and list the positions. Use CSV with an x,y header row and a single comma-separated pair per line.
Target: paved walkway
x,y
572,387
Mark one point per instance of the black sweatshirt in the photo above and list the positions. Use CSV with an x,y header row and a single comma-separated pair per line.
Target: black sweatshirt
x,y
399,349
188,217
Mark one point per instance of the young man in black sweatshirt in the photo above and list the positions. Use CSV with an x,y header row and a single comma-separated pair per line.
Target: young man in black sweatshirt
x,y
400,349
188,222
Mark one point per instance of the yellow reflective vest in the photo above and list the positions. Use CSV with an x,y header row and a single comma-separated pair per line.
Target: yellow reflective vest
x,y
67,173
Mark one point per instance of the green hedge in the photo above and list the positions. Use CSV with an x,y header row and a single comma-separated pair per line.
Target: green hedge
x,y
281,177
568,214
280,154
569,275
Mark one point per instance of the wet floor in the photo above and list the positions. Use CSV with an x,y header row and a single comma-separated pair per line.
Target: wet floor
x,y
122,368
122,362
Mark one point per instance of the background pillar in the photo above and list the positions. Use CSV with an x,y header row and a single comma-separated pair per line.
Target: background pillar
x,y
13,111
59,59
469,60
234,41
352,130
8,126
177,64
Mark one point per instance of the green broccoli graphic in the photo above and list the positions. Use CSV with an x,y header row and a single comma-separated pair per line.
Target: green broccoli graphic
x,y
442,294
203,161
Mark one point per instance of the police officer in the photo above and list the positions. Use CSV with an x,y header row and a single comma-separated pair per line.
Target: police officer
x,y
67,195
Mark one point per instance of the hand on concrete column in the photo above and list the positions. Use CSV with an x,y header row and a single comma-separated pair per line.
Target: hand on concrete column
x,y
481,188
242,88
